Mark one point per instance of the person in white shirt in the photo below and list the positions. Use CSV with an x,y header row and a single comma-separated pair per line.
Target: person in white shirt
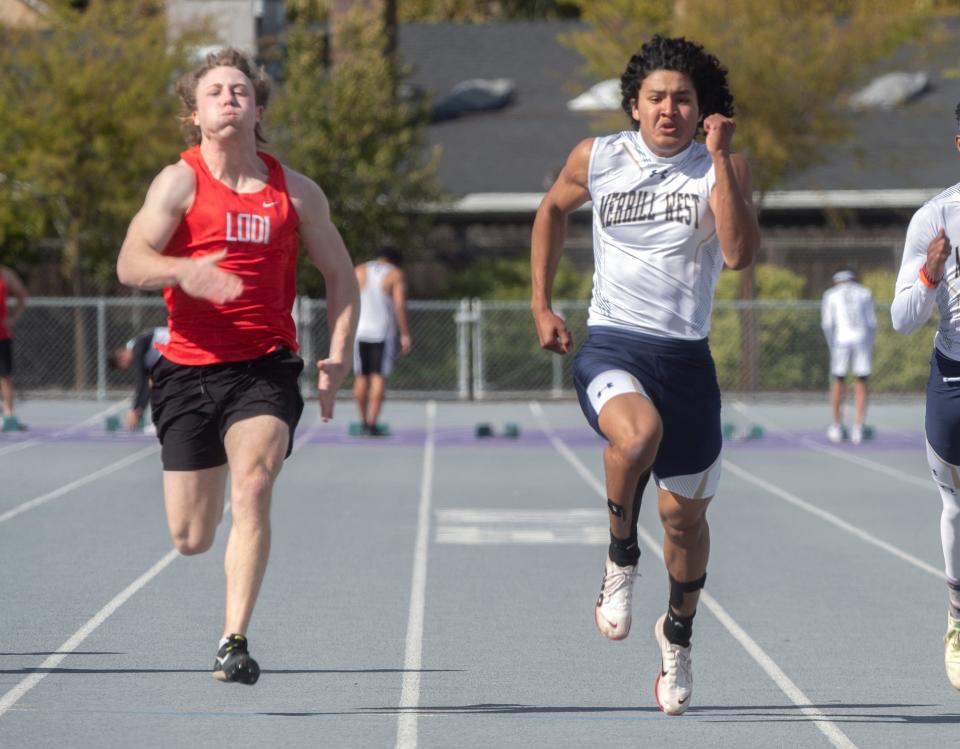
x,y
930,276
668,213
849,324
140,355
383,310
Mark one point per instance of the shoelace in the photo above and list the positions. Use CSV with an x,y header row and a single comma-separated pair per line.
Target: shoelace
x,y
953,640
678,665
617,585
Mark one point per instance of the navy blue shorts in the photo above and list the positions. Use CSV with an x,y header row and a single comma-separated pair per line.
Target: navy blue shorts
x,y
680,379
942,422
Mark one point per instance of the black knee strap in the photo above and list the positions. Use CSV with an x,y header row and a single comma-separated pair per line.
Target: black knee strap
x,y
678,589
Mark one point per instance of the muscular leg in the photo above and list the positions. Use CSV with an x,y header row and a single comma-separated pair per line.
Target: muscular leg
x,y
6,390
255,451
633,430
360,395
194,504
860,399
378,389
836,397
686,543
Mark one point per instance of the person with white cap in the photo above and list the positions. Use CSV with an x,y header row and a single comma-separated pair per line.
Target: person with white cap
x,y
849,324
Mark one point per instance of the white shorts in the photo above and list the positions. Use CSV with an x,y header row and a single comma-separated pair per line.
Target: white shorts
x,y
851,356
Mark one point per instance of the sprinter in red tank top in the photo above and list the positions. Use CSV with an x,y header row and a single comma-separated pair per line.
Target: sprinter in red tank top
x,y
10,285
218,232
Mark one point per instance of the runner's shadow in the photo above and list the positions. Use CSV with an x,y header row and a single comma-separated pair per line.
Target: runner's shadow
x,y
479,709
496,708
70,652
61,670
835,712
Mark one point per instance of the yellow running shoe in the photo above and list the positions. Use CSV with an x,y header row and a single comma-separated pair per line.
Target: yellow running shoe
x,y
951,650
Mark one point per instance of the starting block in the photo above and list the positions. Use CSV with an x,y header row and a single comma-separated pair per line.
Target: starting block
x,y
117,422
355,429
511,430
734,432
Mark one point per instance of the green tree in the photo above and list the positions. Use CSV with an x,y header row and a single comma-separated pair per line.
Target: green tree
x,y
87,120
484,10
790,63
508,279
346,127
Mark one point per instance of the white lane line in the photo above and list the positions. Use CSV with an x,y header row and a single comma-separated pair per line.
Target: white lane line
x,y
13,696
18,446
840,454
832,519
822,721
481,526
66,488
410,694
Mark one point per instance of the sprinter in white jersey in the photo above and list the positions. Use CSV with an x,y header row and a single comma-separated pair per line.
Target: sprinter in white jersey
x,y
849,324
668,212
383,309
930,276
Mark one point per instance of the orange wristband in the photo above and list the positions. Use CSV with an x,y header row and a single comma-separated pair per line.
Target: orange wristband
x,y
926,280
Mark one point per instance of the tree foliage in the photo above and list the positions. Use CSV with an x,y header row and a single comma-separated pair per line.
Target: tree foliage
x,y
790,62
87,120
346,127
508,279
484,10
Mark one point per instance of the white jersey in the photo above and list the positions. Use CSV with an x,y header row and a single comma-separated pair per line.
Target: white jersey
x,y
656,253
160,335
376,305
847,314
913,301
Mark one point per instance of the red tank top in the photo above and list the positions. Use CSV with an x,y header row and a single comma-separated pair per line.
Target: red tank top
x,y
4,332
259,232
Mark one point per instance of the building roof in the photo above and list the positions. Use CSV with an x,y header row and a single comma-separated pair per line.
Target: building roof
x,y
520,149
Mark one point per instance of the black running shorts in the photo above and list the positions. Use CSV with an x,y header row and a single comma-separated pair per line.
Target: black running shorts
x,y
194,406
6,358
371,357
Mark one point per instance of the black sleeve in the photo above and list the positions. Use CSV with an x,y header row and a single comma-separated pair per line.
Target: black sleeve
x,y
141,345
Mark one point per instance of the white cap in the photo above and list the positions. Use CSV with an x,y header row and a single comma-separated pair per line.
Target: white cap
x,y
843,275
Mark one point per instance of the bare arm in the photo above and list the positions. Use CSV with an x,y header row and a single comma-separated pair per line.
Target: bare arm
x,y
327,252
16,287
141,262
399,295
732,197
568,193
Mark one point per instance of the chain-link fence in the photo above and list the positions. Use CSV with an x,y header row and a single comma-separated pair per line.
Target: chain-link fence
x,y
470,349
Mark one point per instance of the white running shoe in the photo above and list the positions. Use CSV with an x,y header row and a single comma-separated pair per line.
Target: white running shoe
x,y
835,433
613,611
674,684
951,650
856,434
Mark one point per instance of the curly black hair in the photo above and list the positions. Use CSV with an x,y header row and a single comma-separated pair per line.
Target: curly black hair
x,y
676,53
956,114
